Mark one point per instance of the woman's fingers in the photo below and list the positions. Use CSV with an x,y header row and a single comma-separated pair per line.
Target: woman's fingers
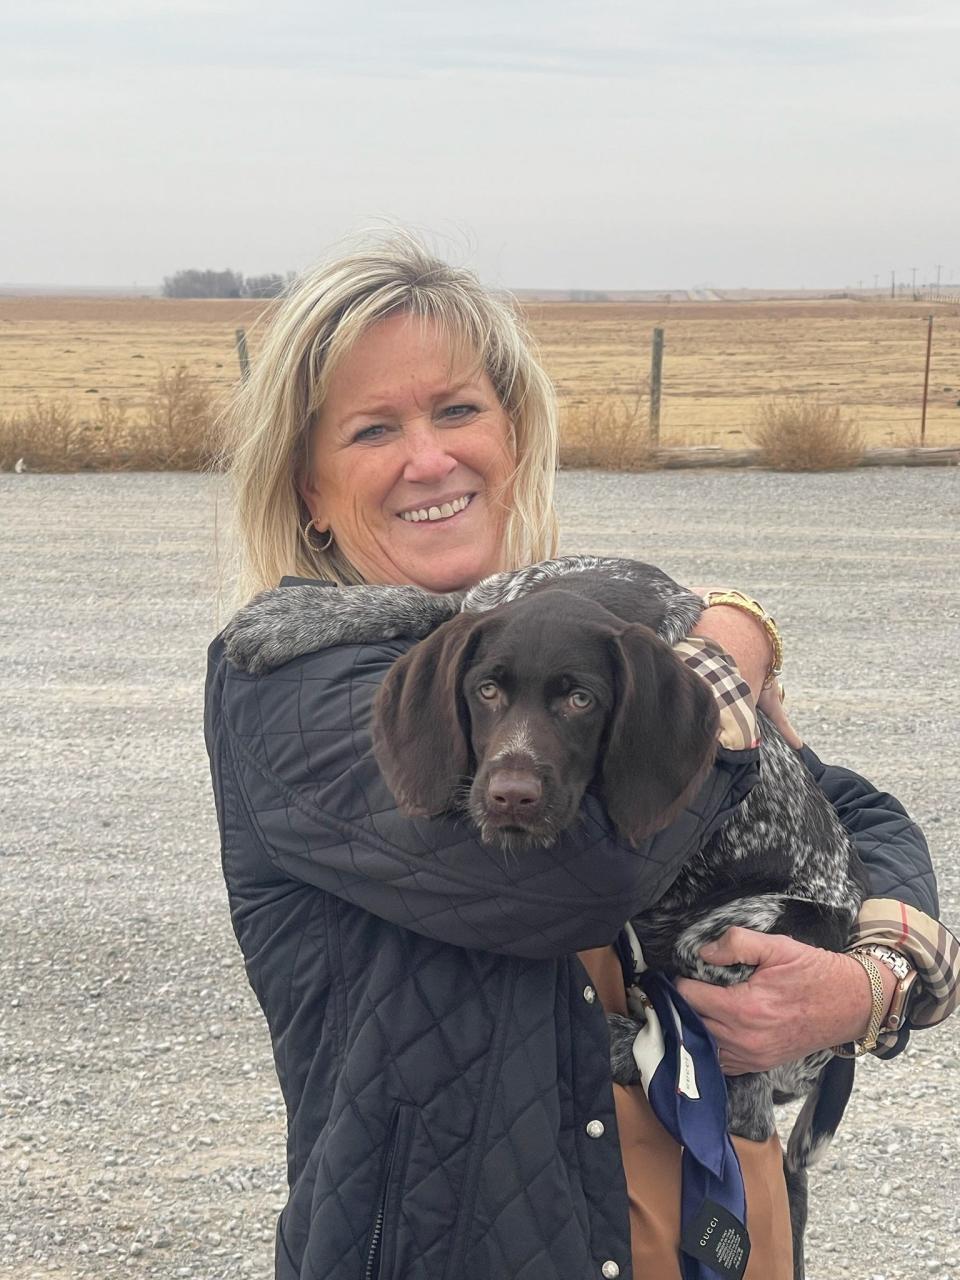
x,y
771,703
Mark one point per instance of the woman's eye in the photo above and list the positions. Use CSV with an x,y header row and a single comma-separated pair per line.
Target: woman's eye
x,y
580,700
373,432
457,411
488,690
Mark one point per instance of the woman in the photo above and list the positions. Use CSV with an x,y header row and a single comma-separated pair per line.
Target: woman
x,y
440,1046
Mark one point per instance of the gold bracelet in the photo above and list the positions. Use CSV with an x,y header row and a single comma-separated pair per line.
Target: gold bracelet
x,y
737,600
857,1048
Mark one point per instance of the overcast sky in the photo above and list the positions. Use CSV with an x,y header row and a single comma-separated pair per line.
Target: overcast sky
x,y
551,143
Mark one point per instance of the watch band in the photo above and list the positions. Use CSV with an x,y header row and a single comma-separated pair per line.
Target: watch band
x,y
900,1004
895,961
857,1048
906,976
737,600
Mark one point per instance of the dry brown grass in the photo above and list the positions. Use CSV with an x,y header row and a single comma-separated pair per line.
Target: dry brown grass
x,y
173,430
721,361
610,434
806,434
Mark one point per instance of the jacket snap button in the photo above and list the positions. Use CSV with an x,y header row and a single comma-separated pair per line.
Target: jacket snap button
x,y
610,1270
589,995
595,1130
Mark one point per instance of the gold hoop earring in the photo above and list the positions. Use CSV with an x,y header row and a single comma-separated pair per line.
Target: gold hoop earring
x,y
329,542
305,535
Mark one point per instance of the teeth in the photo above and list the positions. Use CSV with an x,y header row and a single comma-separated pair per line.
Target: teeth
x,y
437,513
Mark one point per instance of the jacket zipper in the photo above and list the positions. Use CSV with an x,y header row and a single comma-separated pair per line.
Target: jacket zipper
x,y
374,1253
371,1270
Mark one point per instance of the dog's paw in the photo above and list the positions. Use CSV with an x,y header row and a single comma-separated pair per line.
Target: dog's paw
x,y
750,1107
623,1032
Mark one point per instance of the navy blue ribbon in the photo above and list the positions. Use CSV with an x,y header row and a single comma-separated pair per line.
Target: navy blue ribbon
x,y
710,1167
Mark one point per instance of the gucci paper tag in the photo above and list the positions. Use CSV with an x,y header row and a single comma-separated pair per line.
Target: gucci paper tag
x,y
717,1239
687,1082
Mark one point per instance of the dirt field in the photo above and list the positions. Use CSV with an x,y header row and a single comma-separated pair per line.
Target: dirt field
x,y
720,360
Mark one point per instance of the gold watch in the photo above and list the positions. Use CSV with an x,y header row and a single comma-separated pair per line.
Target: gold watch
x,y
737,600
906,976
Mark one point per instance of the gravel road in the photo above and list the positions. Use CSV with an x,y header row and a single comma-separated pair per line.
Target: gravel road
x,y
141,1129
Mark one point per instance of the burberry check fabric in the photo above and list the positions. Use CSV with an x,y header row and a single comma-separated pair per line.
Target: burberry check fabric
x,y
931,948
738,719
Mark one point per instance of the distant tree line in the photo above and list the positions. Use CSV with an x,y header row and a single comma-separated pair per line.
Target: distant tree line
x,y
224,284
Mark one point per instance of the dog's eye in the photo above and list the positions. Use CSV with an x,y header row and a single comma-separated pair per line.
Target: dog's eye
x,y
580,700
488,690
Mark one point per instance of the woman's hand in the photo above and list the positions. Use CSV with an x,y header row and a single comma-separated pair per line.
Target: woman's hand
x,y
798,999
770,703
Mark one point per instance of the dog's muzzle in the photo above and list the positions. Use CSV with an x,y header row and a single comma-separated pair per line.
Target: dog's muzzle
x,y
513,797
515,805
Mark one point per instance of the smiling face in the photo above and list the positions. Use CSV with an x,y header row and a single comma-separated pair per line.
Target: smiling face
x,y
411,459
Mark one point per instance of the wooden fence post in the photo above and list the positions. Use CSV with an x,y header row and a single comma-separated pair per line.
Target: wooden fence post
x,y
926,381
243,354
656,372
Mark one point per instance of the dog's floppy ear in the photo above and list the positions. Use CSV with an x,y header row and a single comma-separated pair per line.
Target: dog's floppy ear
x,y
421,729
662,738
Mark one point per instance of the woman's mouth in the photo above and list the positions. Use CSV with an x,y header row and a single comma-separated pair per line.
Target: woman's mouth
x,y
442,511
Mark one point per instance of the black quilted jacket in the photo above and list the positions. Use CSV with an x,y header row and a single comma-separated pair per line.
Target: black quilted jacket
x,y
435,1037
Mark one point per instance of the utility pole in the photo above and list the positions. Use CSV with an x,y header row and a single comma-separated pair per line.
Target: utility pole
x,y
893,284
913,284
876,281
939,269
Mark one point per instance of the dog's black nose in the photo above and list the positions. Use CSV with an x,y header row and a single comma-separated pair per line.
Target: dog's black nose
x,y
514,793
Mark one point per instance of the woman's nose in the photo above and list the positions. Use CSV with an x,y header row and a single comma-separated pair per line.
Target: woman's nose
x,y
428,456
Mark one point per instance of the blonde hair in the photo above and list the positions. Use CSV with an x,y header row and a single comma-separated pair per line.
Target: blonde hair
x,y
268,424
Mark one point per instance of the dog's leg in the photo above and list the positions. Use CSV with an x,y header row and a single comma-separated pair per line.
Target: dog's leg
x,y
823,1107
797,1196
750,1106
813,1129
760,911
623,1032
286,623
